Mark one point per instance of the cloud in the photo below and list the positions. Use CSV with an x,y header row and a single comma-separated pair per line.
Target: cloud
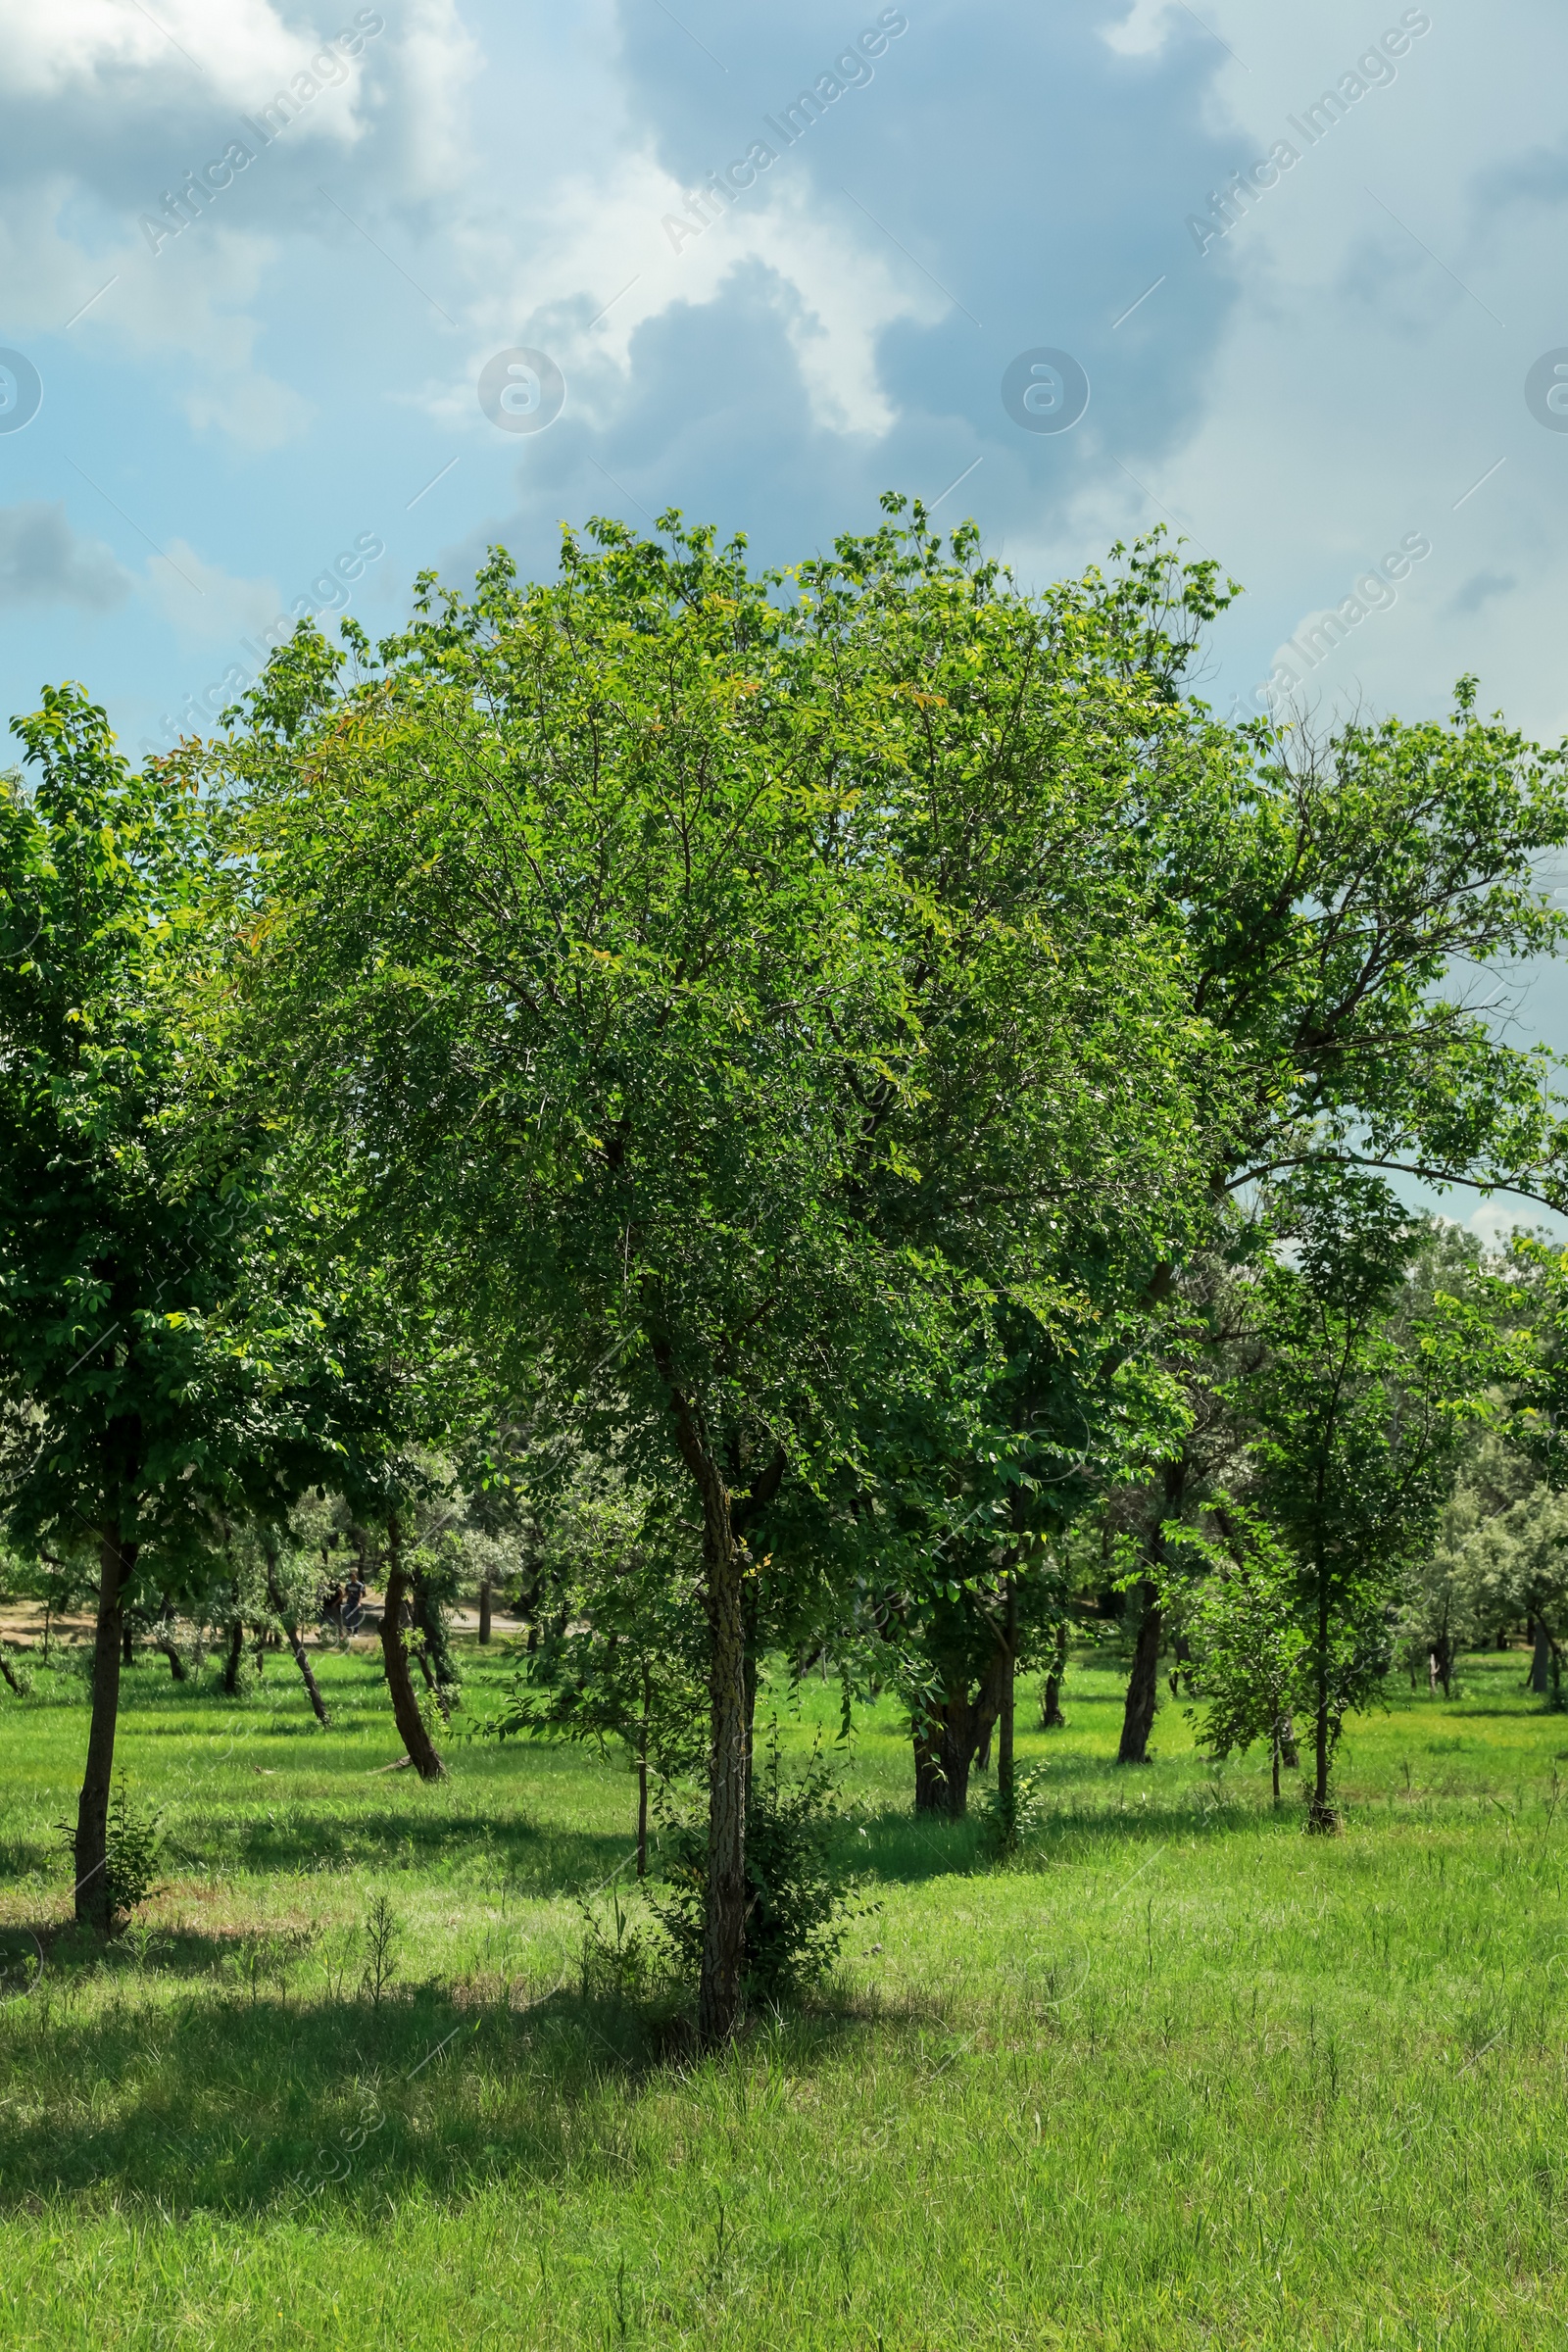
x,y
1479,588
42,561
205,605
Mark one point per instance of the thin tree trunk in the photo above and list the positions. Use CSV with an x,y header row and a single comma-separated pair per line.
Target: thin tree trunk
x,y
1289,1756
718,1995
116,1561
128,1655
234,1657
398,1681
718,1990
297,1646
485,1613
1321,1815
642,1772
1274,1745
1051,1718
1143,1683
1006,1790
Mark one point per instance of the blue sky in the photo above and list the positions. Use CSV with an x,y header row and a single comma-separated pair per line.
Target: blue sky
x,y
278,406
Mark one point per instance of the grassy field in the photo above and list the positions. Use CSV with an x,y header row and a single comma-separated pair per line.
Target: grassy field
x,y
1179,2076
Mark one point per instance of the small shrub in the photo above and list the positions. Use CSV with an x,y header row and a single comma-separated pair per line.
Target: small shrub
x,y
382,1935
620,1962
131,1843
800,1905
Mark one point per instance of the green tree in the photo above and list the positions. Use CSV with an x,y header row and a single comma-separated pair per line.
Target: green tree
x,y
1332,892
1251,1652
162,1355
1356,1417
620,1658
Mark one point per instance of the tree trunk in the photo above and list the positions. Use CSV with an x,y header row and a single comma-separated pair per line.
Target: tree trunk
x,y
718,1993
1051,1718
117,1562
1274,1745
1006,1786
1541,1657
234,1657
1321,1815
719,1989
1289,1756
9,1671
485,1613
926,1732
398,1681
127,1653
164,1639
297,1646
1143,1685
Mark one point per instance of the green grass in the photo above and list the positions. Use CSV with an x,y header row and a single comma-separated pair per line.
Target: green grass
x,y
1181,2076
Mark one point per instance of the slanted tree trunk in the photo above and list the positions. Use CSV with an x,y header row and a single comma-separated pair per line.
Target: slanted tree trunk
x,y
116,1561
1143,1685
1051,1718
9,1671
485,1613
297,1646
164,1639
398,1681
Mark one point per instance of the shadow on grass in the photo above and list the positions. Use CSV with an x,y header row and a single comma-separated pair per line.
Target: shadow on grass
x,y
245,2107
899,1848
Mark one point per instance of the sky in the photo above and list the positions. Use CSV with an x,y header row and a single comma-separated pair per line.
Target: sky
x,y
298,305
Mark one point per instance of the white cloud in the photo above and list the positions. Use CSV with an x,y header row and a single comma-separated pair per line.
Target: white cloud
x,y
205,605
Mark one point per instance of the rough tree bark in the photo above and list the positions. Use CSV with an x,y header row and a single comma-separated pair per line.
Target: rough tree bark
x,y
398,1681
116,1561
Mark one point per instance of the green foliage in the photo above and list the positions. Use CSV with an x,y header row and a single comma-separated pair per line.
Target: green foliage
x,y
131,1870
1251,1651
799,1895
